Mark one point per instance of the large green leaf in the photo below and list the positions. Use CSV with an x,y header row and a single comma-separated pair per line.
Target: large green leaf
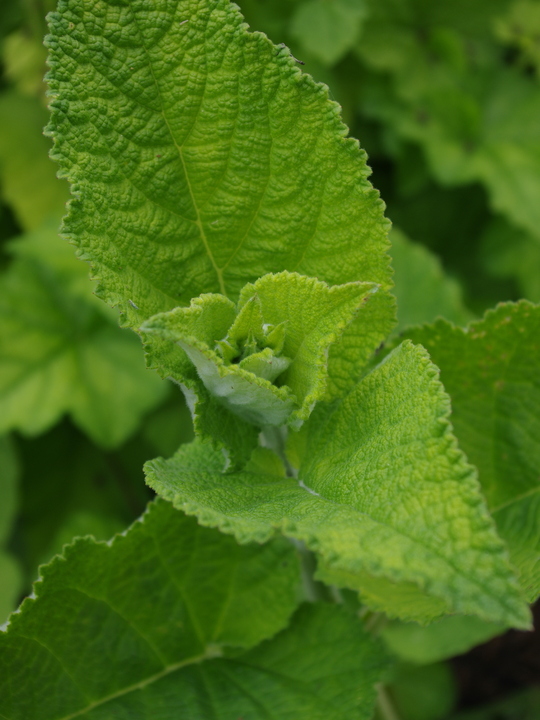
x,y
59,353
491,373
137,627
201,158
384,497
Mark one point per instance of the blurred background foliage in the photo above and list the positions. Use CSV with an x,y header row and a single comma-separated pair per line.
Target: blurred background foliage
x,y
445,99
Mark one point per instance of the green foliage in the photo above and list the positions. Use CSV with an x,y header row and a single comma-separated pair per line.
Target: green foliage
x,y
59,352
371,534
490,373
163,604
227,213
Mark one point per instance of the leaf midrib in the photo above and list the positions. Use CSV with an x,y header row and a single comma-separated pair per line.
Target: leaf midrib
x,y
179,149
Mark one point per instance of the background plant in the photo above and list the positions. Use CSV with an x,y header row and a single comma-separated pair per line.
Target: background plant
x,y
445,102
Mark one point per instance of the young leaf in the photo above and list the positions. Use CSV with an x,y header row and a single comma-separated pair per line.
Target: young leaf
x,y
384,497
134,629
58,354
201,158
490,371
284,328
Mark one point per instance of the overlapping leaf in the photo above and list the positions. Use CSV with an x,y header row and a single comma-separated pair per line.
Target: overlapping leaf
x,y
491,373
384,497
265,361
440,82
202,158
138,628
422,289
59,353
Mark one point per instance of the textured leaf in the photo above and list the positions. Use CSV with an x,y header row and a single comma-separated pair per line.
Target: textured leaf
x,y
58,354
422,289
491,373
201,159
154,610
28,177
384,497
284,328
327,29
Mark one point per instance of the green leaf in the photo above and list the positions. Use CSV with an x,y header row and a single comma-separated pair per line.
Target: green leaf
x,y
371,469
422,289
508,251
452,92
59,354
284,328
452,635
155,608
27,175
491,373
229,357
201,158
327,29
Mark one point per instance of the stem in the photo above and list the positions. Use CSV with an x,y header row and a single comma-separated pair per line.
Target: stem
x,y
385,706
314,590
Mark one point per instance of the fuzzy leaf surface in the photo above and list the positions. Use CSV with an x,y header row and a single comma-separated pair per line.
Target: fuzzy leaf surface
x,y
284,328
201,158
491,373
155,610
384,497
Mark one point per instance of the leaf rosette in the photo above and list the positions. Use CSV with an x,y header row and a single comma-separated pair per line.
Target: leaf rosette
x,y
265,360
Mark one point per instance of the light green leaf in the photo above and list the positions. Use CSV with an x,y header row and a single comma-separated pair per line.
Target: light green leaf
x,y
282,329
202,158
327,29
59,354
371,469
491,373
238,359
154,610
28,177
422,289
452,635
